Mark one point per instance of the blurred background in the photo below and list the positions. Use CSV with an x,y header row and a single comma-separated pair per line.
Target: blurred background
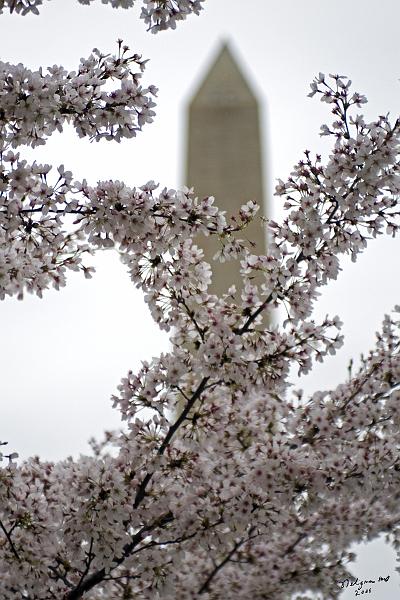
x,y
63,356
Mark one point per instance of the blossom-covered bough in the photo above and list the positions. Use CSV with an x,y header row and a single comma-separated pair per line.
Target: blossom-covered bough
x,y
224,483
157,14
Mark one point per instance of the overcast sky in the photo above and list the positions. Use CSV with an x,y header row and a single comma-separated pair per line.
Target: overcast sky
x,y
63,356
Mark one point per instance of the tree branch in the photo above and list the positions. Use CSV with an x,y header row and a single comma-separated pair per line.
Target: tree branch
x,y
142,488
8,536
205,587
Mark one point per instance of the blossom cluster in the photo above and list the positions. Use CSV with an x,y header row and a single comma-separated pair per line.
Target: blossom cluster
x,y
336,208
157,14
35,248
164,14
224,482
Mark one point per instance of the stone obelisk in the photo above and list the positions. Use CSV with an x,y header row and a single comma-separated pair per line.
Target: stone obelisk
x,y
224,156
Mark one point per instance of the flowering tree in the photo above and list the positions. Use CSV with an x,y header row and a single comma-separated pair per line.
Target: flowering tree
x,y
224,482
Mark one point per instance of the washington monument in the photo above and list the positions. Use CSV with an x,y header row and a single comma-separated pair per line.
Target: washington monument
x,y
224,157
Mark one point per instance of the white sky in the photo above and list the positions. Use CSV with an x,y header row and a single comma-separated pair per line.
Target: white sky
x,y
63,356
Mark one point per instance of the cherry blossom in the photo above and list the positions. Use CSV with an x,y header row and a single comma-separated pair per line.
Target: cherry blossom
x,y
224,481
157,14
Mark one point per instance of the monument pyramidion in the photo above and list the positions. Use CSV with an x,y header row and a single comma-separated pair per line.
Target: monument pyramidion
x,y
224,157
